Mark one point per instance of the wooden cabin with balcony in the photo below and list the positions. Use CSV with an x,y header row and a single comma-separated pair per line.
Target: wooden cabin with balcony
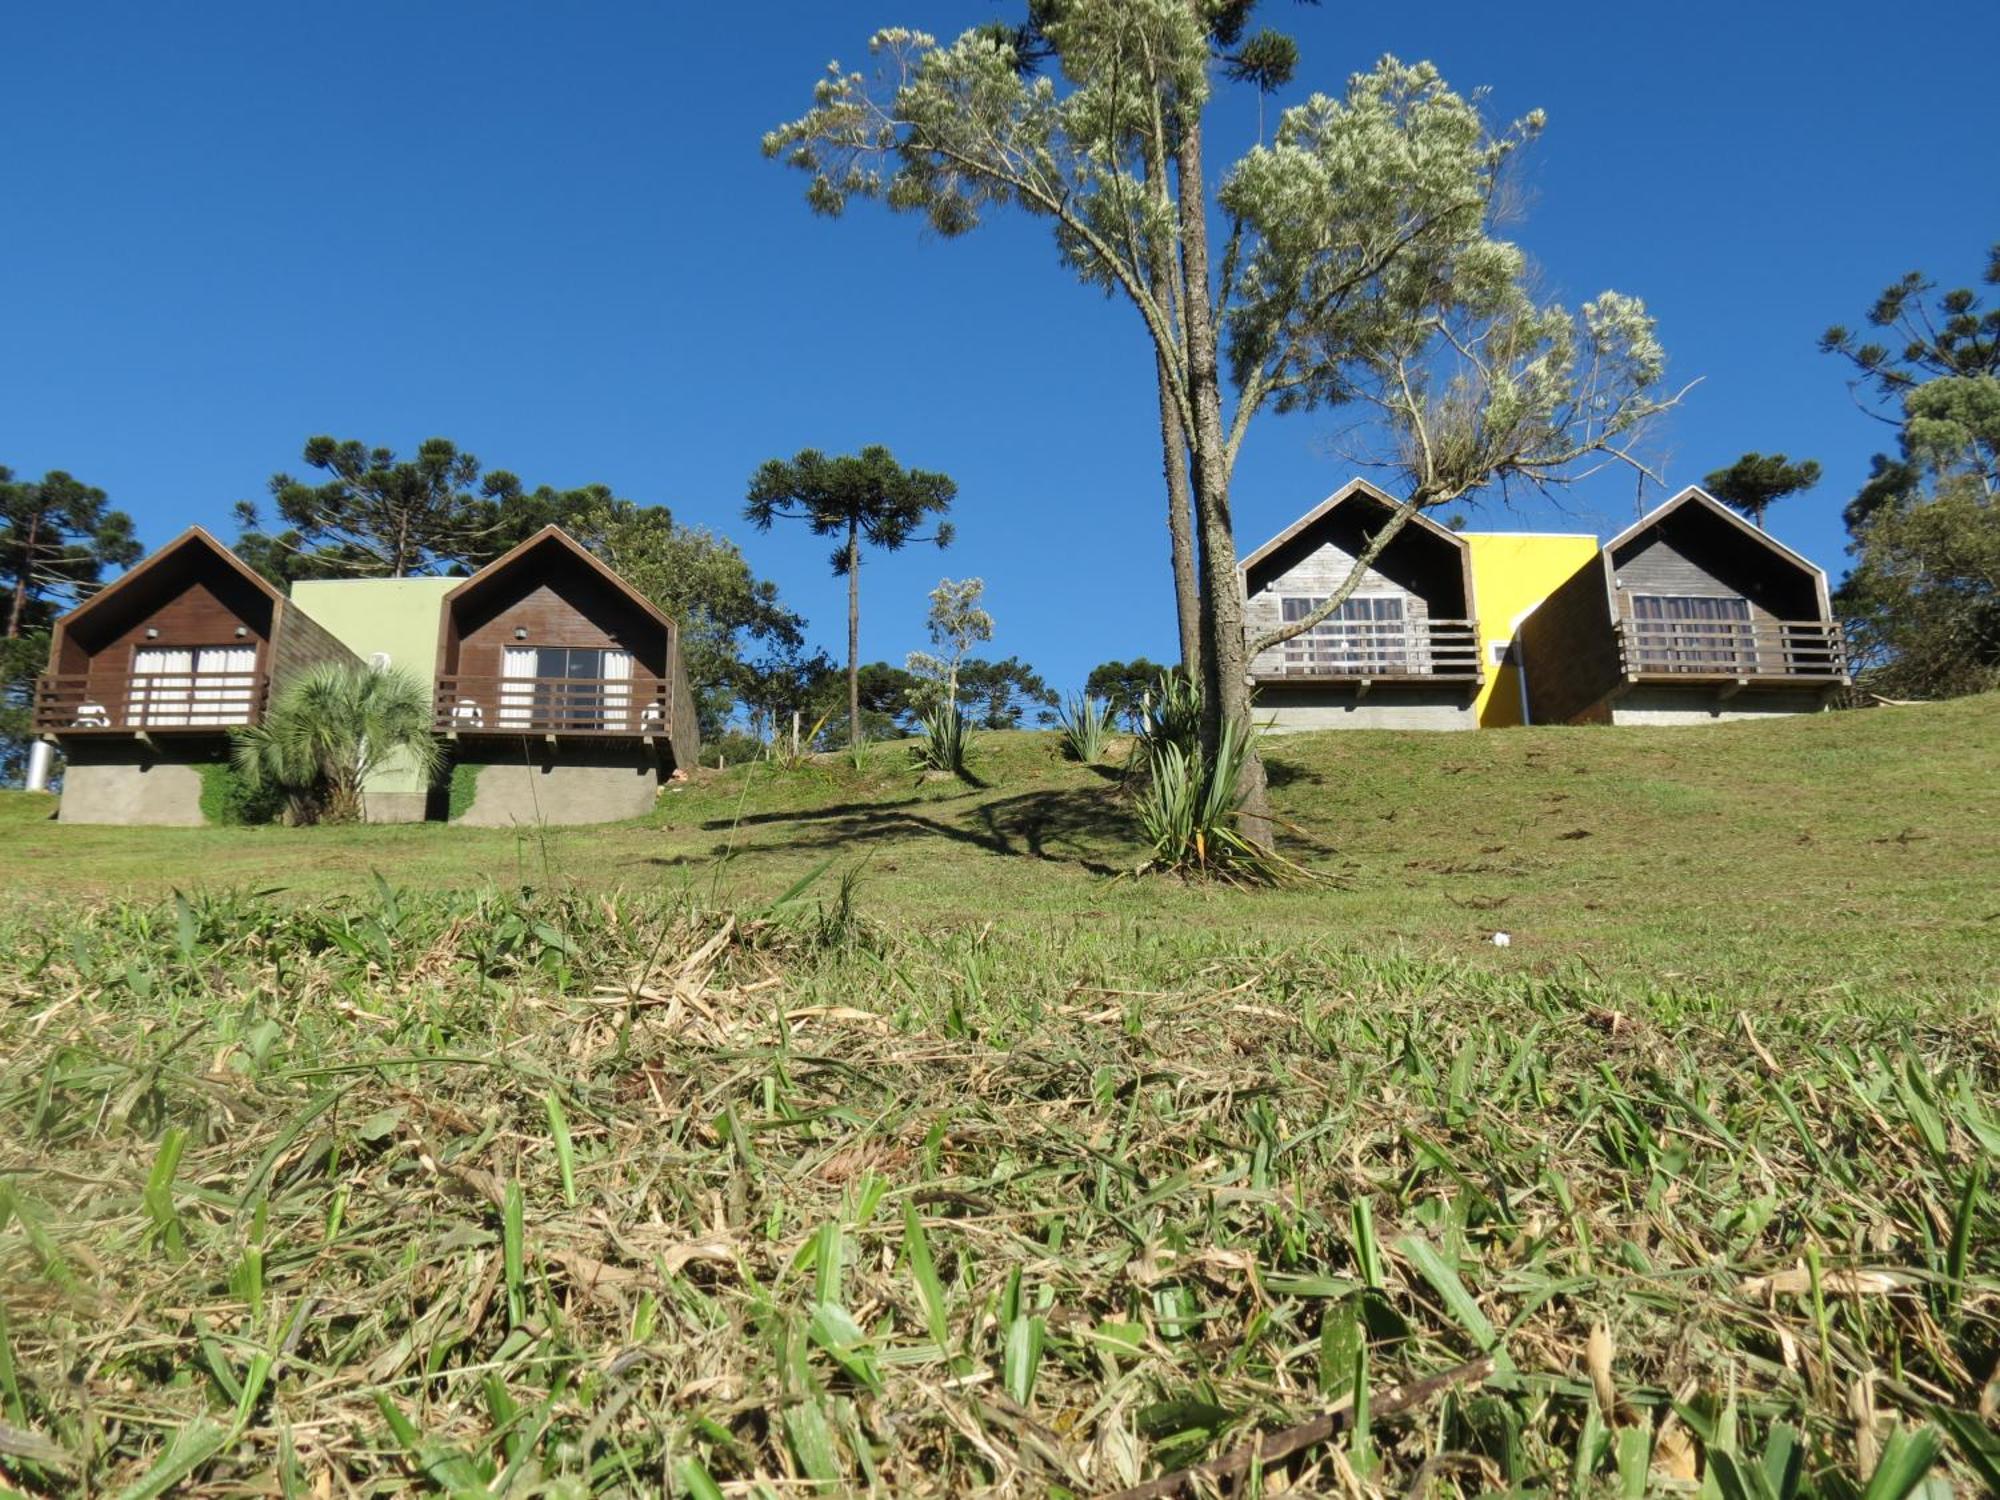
x,y
1692,614
563,687
147,677
1400,652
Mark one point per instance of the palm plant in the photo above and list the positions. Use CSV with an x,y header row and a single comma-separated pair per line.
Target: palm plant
x,y
1086,724
328,730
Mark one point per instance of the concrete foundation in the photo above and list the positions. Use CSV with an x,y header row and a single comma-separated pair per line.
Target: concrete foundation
x,y
394,807
566,786
1292,710
1667,707
128,784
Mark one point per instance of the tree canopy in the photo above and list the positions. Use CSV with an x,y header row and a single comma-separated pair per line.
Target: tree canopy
x,y
1757,481
1922,603
1123,686
1358,265
57,536
865,498
377,515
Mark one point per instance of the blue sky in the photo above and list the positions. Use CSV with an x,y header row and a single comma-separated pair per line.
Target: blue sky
x,y
547,232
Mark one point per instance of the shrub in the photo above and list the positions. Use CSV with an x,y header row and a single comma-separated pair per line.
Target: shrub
x,y
946,740
1085,724
228,798
461,790
330,728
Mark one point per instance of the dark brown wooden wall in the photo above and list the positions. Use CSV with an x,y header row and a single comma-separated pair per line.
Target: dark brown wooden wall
x,y
1568,650
301,641
562,604
197,613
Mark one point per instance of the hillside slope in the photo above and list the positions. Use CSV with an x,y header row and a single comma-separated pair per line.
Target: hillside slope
x,y
1856,852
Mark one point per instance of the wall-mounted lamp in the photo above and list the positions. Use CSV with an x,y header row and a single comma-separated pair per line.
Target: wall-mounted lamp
x,y
520,632
241,631
152,632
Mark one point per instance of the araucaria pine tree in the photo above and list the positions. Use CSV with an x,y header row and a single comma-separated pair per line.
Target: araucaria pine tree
x,y
865,498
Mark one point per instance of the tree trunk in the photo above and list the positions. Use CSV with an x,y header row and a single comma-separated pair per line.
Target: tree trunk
x,y
853,636
20,609
1173,439
1180,526
1225,676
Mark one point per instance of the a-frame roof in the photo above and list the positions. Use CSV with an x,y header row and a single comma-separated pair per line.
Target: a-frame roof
x,y
1341,496
1696,496
555,536
194,536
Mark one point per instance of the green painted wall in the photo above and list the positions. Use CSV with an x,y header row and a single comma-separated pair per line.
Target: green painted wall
x,y
393,617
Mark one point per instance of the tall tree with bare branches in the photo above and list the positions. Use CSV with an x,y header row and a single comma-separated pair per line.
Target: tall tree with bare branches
x,y
1356,262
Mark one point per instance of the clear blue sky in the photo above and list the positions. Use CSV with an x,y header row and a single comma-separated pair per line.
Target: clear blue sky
x,y
546,232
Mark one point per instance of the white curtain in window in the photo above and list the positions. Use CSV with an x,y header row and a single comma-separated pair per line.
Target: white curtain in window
x,y
223,686
162,679
517,704
617,692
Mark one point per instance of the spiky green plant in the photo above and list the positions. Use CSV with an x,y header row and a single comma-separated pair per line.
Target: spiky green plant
x,y
328,730
1169,714
1086,724
1187,800
946,740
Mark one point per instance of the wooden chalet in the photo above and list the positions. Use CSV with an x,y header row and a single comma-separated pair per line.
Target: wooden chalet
x,y
548,643
1688,615
184,646
1401,652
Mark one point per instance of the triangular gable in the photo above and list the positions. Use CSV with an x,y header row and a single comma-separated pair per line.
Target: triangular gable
x,y
556,536
194,536
1339,497
1695,495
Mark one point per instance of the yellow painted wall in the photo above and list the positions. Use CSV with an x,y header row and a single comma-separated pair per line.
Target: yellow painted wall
x,y
1512,572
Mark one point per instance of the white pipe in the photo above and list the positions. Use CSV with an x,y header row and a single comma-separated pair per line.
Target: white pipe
x,y
41,760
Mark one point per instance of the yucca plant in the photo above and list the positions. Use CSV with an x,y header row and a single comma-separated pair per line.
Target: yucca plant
x,y
328,730
1187,800
1169,714
946,740
1086,726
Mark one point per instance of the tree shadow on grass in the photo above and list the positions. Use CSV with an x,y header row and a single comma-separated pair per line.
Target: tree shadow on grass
x,y
1056,827
820,814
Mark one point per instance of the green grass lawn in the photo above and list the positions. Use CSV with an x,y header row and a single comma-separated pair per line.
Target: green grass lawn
x,y
1855,853
632,1161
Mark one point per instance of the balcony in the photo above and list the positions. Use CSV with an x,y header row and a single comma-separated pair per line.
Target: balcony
x,y
152,703
1376,651
1733,651
554,706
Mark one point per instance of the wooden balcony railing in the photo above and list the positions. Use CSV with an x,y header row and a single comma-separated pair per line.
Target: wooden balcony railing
x,y
124,703
1810,650
1377,650
554,705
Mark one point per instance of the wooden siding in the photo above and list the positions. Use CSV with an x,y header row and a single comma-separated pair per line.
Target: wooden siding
x,y
563,606
1315,576
1569,650
686,724
1695,553
301,641
202,612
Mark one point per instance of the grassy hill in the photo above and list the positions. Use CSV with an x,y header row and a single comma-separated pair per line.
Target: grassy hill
x,y
1855,852
590,1163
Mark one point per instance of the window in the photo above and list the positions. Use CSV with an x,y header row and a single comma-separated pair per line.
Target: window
x,y
1364,635
1693,633
188,687
566,687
